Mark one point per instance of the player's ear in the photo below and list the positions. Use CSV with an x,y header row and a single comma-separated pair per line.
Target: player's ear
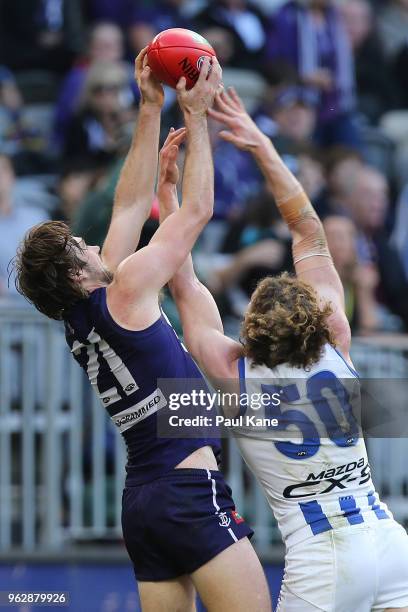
x,y
78,275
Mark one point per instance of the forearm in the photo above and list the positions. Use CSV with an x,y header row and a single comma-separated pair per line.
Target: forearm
x,y
198,193
138,175
293,204
168,201
168,204
198,179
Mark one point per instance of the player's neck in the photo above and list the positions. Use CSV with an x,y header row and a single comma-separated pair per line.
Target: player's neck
x,y
96,281
93,285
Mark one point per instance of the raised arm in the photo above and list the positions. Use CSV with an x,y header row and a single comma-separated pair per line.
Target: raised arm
x,y
134,191
311,256
141,276
202,326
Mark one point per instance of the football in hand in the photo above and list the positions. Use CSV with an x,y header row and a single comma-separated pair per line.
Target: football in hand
x,y
178,52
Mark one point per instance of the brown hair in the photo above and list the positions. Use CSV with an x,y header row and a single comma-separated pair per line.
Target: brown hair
x,y
46,263
285,324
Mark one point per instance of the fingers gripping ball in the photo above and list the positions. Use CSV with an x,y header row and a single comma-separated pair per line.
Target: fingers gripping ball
x,y
177,52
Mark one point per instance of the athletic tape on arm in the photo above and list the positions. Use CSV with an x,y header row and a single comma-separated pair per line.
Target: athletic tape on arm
x,y
302,219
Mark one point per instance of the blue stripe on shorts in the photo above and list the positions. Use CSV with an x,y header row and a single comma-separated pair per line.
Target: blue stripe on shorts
x,y
350,510
314,516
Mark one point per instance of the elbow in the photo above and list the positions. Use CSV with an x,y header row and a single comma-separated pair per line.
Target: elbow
x,y
341,332
202,209
203,215
182,286
206,215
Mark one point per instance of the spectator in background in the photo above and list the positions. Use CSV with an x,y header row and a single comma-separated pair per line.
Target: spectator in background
x,y
360,281
113,11
310,174
376,88
246,24
40,34
20,138
400,233
222,41
393,25
368,206
309,36
341,168
289,118
15,221
93,215
236,177
75,181
97,132
105,44
147,21
259,245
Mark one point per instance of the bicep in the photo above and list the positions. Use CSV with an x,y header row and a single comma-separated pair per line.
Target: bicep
x,y
123,236
152,267
203,330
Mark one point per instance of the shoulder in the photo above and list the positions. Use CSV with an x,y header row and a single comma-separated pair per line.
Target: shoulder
x,y
344,359
131,310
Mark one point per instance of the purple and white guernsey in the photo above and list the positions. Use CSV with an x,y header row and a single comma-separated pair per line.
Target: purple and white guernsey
x,y
123,367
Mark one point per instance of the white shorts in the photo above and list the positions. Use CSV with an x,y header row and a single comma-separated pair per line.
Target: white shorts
x,y
359,568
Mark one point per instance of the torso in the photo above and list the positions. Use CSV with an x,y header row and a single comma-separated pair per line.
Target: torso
x,y
313,467
124,367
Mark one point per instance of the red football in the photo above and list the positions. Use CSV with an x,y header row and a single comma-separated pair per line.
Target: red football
x,y
178,52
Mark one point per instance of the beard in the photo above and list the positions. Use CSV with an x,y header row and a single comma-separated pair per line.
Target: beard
x,y
106,276
99,274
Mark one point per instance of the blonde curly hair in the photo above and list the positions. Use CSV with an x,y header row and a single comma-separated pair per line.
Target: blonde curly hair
x,y
285,323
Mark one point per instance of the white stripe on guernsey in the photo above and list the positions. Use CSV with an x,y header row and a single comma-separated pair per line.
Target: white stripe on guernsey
x,y
214,492
232,534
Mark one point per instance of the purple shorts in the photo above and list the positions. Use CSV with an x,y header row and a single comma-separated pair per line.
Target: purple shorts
x,y
175,524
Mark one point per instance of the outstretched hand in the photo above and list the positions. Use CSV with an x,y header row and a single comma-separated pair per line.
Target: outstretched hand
x,y
200,98
151,89
168,169
244,133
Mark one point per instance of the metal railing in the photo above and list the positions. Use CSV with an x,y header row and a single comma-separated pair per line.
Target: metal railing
x,y
62,465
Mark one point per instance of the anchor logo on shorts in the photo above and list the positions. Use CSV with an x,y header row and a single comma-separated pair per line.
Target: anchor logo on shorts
x,y
225,520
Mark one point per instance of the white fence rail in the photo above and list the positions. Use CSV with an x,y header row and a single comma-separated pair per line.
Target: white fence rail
x,y
62,465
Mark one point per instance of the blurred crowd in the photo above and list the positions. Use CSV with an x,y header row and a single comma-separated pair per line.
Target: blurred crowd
x,y
326,80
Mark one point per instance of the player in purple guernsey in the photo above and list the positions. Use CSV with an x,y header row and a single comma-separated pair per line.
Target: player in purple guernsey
x,y
179,521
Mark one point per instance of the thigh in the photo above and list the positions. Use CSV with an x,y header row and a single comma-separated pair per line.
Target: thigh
x,y
309,581
322,573
392,546
289,602
233,581
168,595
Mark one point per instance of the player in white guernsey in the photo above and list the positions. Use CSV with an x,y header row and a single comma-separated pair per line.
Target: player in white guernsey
x,y
344,551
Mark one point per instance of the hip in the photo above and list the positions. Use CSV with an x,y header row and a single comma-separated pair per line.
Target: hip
x,y
325,572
